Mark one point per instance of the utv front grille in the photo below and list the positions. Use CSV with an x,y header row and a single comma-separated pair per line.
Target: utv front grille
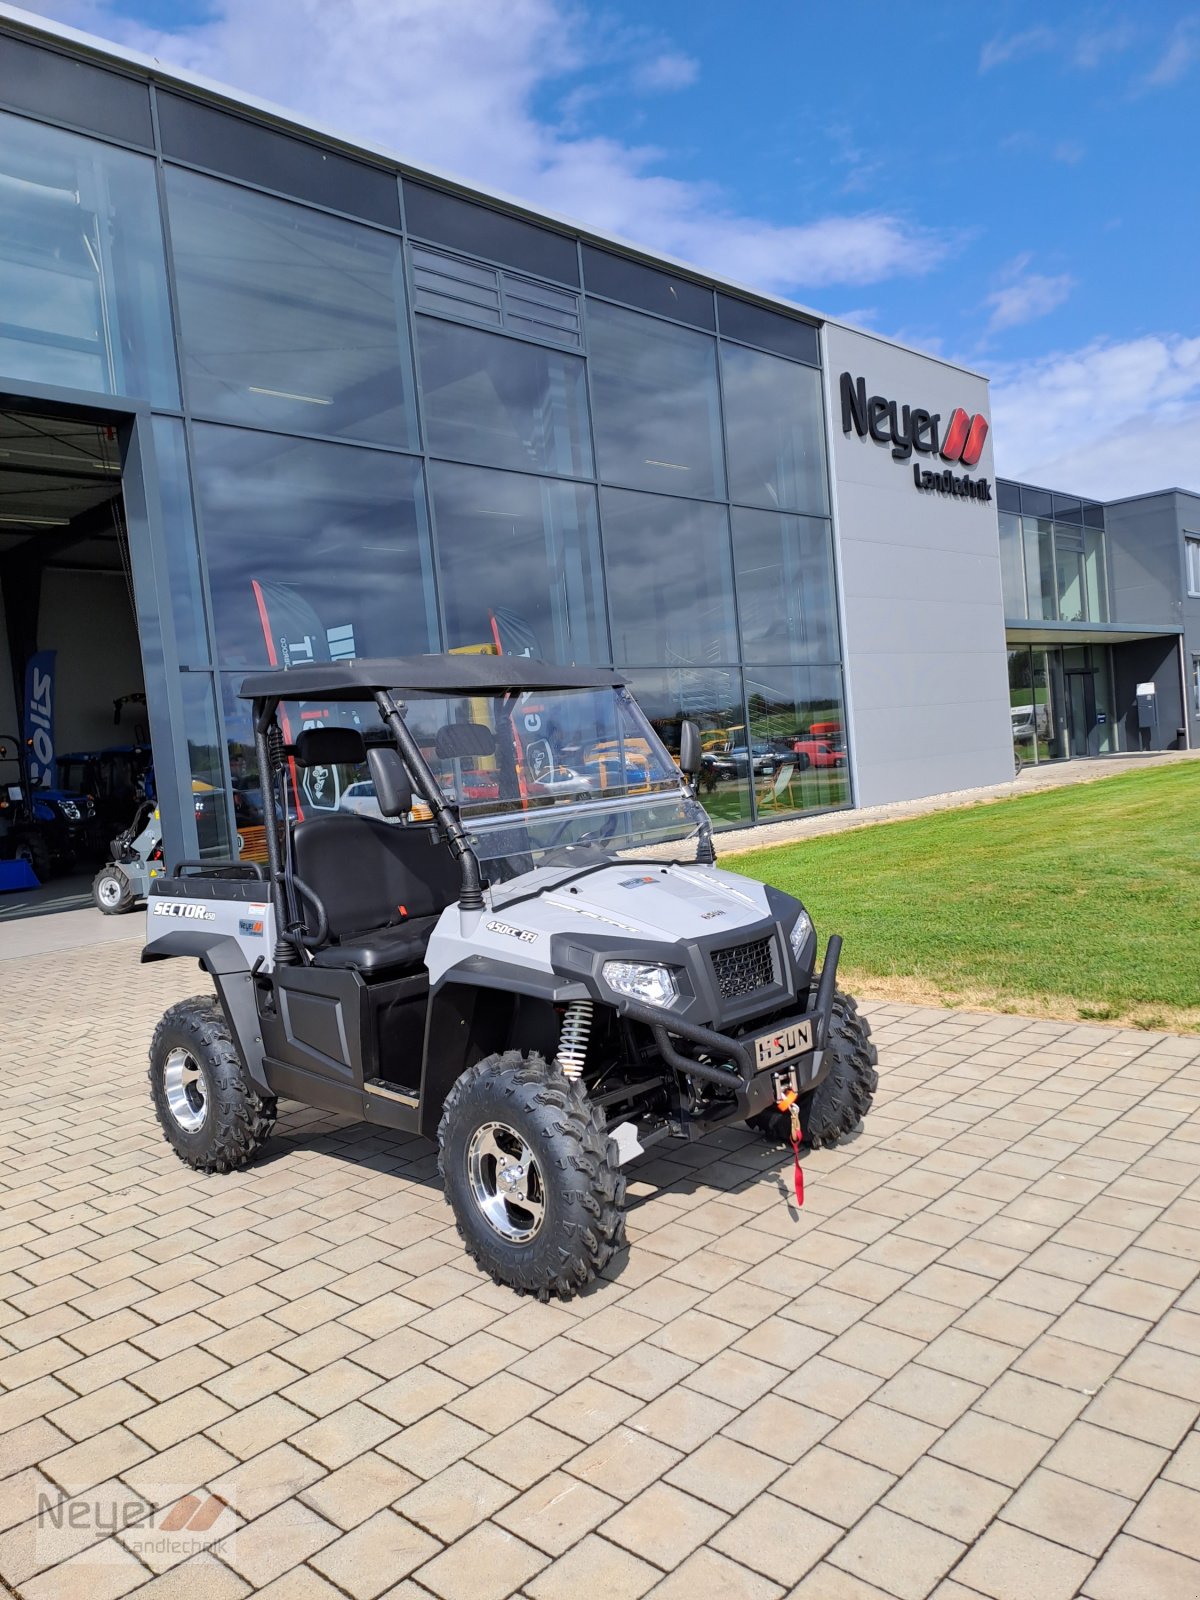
x,y
743,968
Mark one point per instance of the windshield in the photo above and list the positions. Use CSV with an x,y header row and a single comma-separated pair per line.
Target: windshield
x,y
553,778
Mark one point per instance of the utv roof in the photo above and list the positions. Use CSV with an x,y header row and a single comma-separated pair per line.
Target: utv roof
x,y
446,674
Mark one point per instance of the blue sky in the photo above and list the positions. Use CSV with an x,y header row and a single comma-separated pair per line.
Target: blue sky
x,y
1012,187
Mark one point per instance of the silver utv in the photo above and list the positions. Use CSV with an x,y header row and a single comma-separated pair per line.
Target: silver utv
x,y
528,956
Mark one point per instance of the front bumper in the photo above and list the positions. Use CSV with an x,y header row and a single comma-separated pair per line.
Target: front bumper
x,y
729,1062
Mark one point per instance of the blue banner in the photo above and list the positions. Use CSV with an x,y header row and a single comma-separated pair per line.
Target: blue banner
x,y
39,718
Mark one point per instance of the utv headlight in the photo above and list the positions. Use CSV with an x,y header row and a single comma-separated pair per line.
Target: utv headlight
x,y
653,985
800,935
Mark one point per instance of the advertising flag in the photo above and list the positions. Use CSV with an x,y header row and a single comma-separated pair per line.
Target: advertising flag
x,y
39,718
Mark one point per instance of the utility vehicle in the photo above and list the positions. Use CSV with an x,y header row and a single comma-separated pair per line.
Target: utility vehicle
x,y
544,980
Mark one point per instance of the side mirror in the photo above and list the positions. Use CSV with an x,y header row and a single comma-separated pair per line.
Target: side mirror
x,y
393,788
689,749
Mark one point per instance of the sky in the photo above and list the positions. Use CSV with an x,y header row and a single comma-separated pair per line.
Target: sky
x,y
1012,187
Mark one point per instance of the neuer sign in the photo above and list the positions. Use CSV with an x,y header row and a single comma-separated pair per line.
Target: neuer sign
x,y
909,428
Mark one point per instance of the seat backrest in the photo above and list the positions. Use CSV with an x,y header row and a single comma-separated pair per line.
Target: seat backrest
x,y
368,873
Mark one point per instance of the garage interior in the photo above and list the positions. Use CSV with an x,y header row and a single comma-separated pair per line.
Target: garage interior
x,y
65,586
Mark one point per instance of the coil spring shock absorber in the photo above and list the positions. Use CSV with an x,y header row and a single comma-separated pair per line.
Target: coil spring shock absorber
x,y
573,1039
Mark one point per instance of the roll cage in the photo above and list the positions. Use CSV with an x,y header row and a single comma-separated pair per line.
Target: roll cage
x,y
386,681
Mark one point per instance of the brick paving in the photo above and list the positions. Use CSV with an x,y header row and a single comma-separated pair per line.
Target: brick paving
x,y
969,1367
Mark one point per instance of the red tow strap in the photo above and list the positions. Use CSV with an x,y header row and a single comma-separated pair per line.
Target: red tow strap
x,y
788,1104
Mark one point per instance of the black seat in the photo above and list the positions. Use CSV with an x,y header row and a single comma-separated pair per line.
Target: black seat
x,y
382,885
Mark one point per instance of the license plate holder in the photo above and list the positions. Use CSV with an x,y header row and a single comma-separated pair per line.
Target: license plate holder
x,y
784,1044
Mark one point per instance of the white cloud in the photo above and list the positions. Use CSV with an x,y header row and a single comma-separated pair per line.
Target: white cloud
x,y
1015,47
1082,50
461,86
1111,419
670,70
1180,55
1026,295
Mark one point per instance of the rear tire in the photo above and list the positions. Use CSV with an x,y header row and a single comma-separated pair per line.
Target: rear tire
x,y
531,1176
111,891
842,1099
213,1117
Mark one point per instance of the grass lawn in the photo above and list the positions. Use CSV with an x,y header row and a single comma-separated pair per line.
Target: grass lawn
x,y
1081,902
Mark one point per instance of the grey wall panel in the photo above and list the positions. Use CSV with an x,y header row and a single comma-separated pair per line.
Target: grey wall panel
x,y
923,614
1145,556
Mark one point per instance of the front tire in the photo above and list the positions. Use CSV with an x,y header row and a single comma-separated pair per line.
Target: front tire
x,y
531,1176
111,891
35,852
834,1109
211,1114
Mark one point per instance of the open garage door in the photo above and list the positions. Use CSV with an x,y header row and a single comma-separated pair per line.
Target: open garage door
x,y
72,694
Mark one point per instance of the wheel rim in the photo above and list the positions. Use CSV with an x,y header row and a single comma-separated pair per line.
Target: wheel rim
x,y
506,1182
108,891
184,1088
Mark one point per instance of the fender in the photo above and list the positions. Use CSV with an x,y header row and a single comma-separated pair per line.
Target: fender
x,y
472,1009
223,960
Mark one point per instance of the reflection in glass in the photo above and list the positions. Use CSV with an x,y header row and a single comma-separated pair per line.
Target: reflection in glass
x,y
204,759
1012,571
1095,575
654,392
713,700
787,605
797,734
1069,567
499,401
315,551
1047,700
290,318
519,564
669,579
1024,710
179,536
1039,568
83,291
774,432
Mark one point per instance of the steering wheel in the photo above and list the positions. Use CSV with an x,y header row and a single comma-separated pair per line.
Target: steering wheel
x,y
593,835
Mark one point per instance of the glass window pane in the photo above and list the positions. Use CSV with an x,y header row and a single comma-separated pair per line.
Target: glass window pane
x,y
637,284
290,318
1039,568
179,535
83,290
464,225
654,390
775,432
668,607
211,137
1012,573
713,700
1008,495
315,551
1028,715
787,601
1071,587
499,401
772,330
519,564
798,736
207,765
1095,575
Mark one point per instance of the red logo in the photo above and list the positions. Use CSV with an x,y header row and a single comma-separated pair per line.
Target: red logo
x,y
965,438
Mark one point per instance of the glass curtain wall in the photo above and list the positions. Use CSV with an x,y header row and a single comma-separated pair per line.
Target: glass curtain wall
x,y
1052,570
368,444
1061,701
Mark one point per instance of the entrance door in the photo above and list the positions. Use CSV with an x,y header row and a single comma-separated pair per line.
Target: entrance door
x,y
1081,711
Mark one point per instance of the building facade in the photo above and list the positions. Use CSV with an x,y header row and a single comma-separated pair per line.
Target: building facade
x,y
1103,635
267,396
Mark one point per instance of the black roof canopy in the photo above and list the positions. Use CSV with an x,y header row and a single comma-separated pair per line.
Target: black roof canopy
x,y
445,674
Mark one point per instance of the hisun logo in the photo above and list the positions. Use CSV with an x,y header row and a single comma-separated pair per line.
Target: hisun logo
x,y
909,429
176,908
